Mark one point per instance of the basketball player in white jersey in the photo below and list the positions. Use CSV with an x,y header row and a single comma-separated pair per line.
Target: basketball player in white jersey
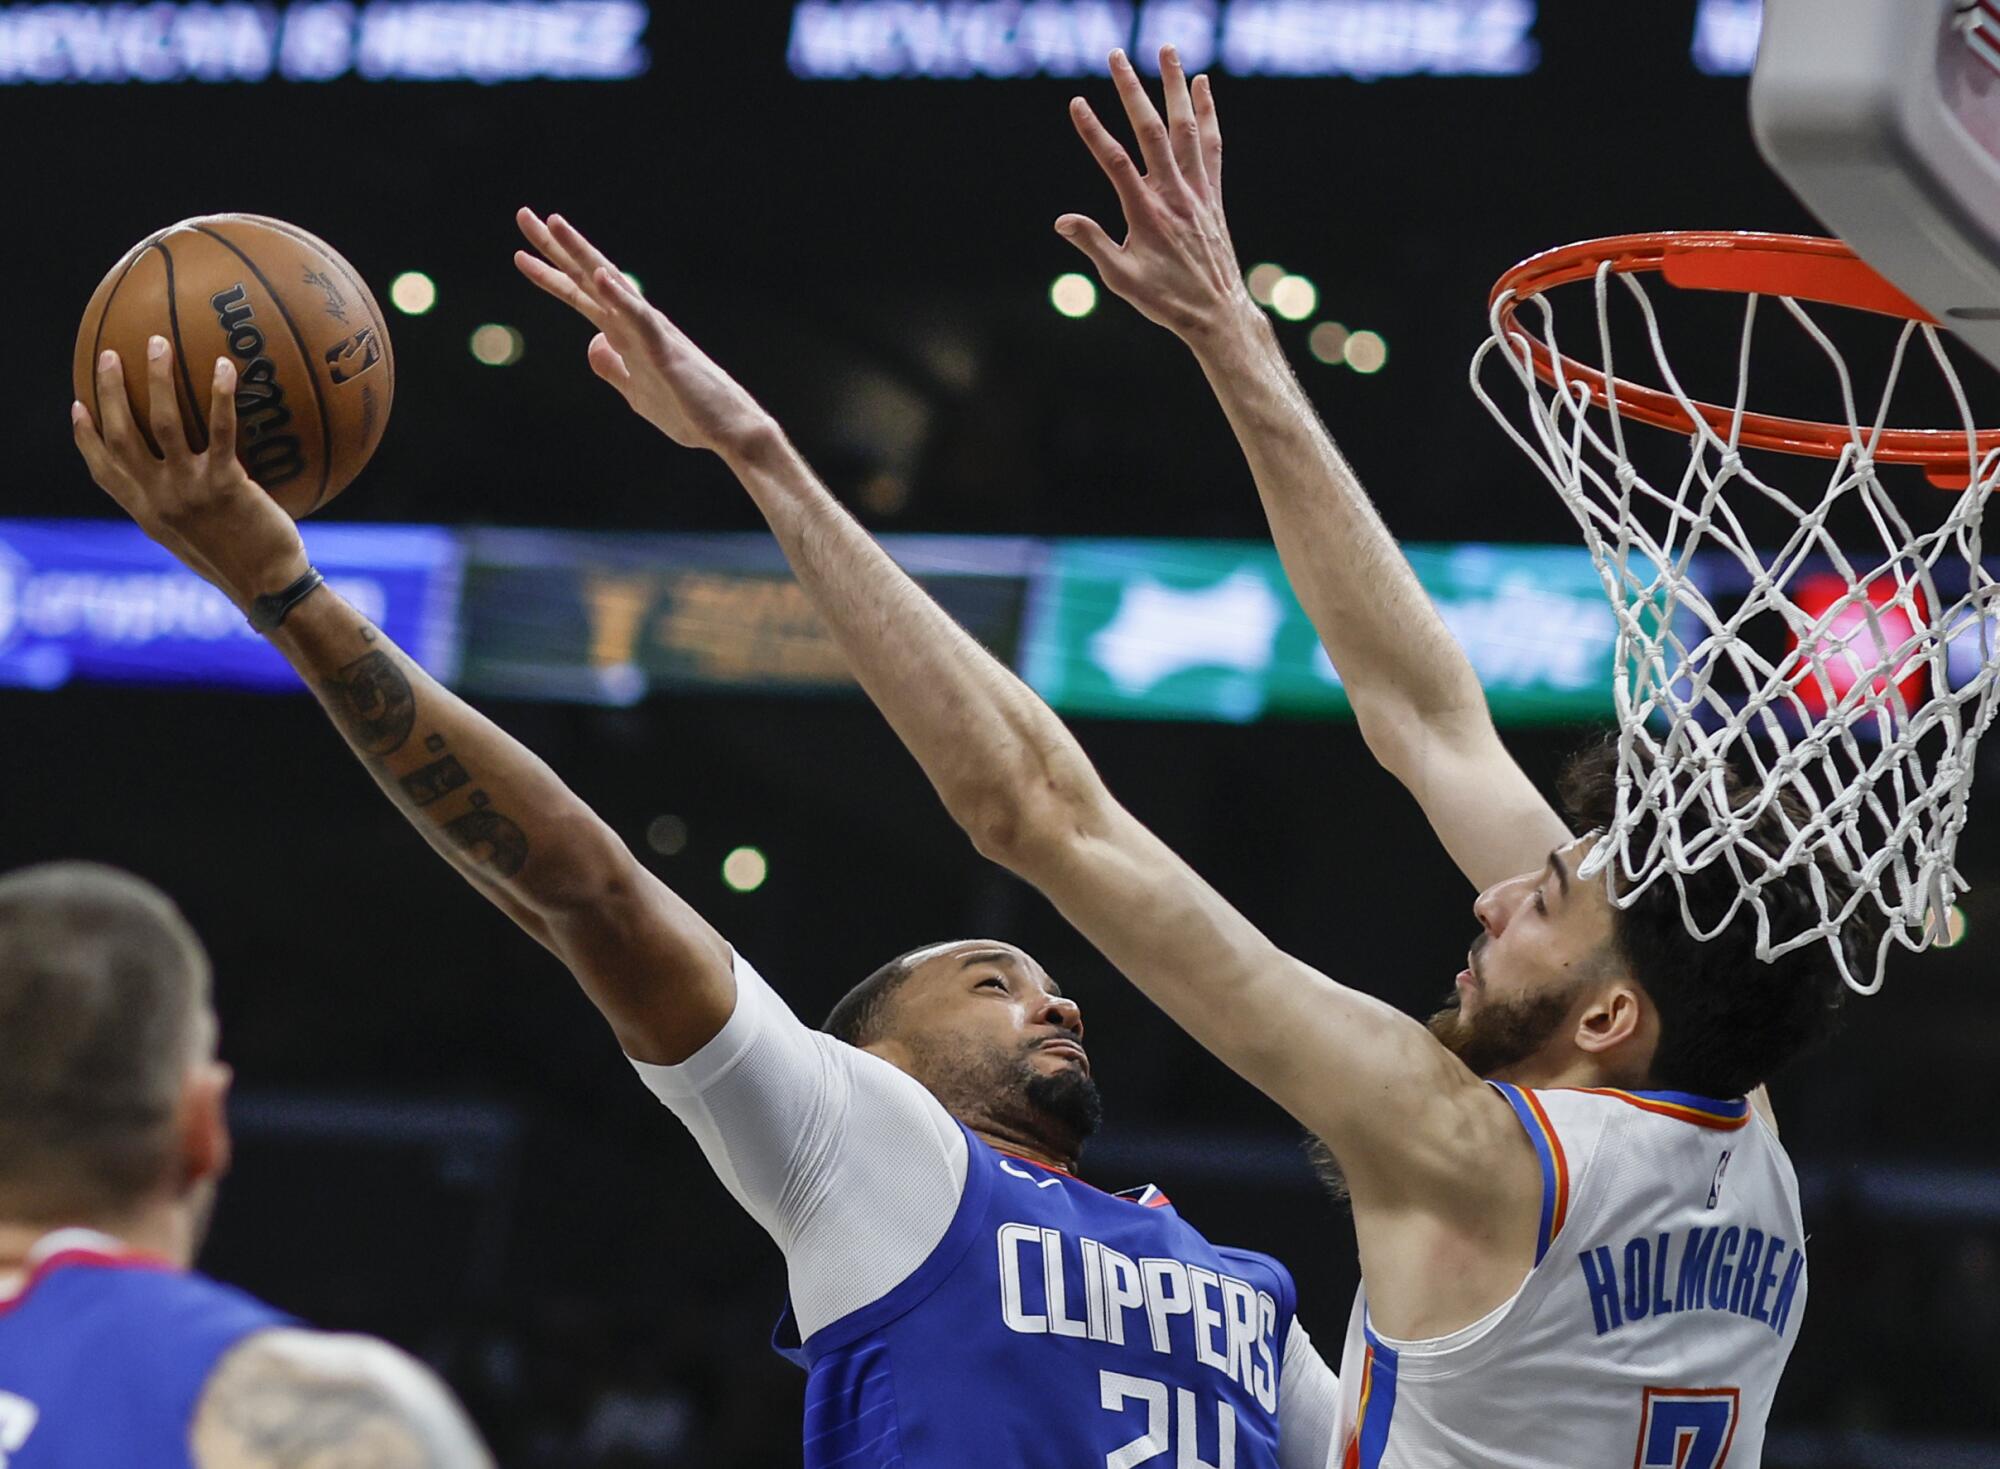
x,y
1420,707
1580,1246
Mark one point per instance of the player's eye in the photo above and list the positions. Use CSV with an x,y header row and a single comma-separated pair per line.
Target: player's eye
x,y
995,980
1541,903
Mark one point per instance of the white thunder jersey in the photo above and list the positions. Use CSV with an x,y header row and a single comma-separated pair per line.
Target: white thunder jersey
x,y
1667,1291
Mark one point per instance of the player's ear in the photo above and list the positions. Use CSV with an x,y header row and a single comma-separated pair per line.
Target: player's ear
x,y
204,1124
1614,1017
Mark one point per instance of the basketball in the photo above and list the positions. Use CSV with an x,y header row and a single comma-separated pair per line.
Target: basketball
x,y
315,374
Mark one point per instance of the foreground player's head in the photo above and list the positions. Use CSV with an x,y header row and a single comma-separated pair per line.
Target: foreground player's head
x,y
991,1036
111,1100
1560,983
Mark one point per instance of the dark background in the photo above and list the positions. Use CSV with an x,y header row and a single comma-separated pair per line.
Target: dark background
x,y
439,1140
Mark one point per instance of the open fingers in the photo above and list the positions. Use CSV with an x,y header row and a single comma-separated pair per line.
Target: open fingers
x,y
1088,236
1211,131
1111,157
222,413
630,316
607,363
586,255
563,287
103,467
163,409
543,239
1139,111
1183,132
114,409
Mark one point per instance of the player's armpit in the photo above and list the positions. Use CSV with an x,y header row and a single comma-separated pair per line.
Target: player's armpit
x,y
294,1399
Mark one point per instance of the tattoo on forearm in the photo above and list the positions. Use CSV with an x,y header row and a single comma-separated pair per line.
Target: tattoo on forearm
x,y
425,785
375,703
491,840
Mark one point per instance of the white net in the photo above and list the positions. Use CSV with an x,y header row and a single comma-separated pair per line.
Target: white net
x,y
1849,682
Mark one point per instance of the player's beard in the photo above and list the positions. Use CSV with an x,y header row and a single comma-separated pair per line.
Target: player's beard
x,y
1500,1033
1059,1110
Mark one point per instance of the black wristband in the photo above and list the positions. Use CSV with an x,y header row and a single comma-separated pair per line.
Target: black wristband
x,y
266,613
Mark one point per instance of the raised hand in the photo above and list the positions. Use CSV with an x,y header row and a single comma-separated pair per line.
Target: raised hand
x,y
1177,264
202,506
668,380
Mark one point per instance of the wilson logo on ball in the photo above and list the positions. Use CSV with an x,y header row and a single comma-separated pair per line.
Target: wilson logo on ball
x,y
271,457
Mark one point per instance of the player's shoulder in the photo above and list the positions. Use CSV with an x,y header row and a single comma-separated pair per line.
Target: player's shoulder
x,y
291,1396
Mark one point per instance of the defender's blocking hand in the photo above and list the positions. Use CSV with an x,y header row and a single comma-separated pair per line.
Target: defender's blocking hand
x,y
202,507
1177,265
668,380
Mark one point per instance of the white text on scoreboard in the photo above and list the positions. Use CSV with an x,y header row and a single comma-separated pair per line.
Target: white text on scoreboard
x,y
1365,39
319,40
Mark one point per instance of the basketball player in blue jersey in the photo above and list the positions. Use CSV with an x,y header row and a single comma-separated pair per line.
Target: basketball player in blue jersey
x,y
961,1298
1580,1244
113,1354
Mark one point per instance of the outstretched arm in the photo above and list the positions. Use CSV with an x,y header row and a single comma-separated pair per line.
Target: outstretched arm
x,y
1417,699
497,813
1405,1117
1415,694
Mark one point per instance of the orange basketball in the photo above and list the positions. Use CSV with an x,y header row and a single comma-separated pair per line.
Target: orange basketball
x,y
314,372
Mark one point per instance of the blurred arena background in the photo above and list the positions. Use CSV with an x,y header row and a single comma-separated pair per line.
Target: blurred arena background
x,y
848,202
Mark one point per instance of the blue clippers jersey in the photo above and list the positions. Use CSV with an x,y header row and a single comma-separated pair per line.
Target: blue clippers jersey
x,y
103,1357
1054,1325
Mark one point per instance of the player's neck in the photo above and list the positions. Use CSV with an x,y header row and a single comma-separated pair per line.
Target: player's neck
x,y
161,1229
1542,1073
1019,1146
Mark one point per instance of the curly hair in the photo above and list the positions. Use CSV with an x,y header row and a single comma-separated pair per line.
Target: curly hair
x,y
1727,1019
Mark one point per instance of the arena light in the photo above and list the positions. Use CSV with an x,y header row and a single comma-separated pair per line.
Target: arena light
x,y
1073,295
1365,352
497,345
667,835
745,869
1261,279
1294,298
1954,928
1328,343
413,293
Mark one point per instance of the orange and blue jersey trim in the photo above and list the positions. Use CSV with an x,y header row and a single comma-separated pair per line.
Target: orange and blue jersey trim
x,y
1681,1106
1549,1150
1369,1440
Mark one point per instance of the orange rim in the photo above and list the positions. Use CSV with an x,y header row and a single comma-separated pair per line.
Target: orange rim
x,y
1801,266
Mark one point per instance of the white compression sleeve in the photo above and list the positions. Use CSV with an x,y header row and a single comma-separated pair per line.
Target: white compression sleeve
x,y
849,1164
1308,1405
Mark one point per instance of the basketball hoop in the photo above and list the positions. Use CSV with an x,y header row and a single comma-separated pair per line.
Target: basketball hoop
x,y
1858,715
